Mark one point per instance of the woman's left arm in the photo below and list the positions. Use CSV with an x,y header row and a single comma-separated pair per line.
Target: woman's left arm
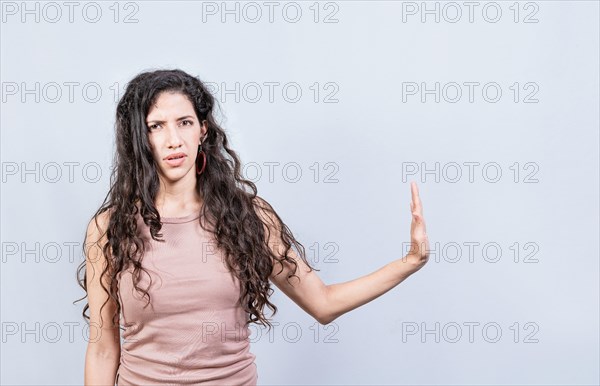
x,y
327,302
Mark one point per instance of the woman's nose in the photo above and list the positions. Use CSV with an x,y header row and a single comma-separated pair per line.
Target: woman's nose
x,y
173,137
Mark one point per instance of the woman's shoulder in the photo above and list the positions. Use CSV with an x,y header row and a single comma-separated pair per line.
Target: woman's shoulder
x,y
98,224
260,203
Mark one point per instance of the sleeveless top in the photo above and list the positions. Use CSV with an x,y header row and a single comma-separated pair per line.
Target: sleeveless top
x,y
193,331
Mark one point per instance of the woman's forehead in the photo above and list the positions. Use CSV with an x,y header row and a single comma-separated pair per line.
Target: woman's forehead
x,y
170,105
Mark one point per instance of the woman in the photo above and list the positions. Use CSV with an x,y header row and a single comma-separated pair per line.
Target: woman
x,y
186,296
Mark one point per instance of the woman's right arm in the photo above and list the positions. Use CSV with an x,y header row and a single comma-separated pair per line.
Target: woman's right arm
x,y
104,346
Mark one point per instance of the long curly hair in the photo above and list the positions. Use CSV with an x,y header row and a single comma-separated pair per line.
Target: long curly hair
x,y
241,232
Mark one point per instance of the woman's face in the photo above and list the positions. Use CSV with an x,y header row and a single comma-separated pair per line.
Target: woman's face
x,y
173,128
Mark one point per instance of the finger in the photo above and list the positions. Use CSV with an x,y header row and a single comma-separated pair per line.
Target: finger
x,y
417,227
418,222
415,195
422,226
417,206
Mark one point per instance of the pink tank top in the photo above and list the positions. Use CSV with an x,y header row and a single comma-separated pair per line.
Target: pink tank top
x,y
193,331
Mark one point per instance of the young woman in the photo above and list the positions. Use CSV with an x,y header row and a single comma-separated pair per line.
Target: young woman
x,y
180,254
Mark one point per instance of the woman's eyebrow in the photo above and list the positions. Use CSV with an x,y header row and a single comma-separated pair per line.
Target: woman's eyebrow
x,y
179,119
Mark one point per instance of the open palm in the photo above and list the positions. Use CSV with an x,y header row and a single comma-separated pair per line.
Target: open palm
x,y
419,243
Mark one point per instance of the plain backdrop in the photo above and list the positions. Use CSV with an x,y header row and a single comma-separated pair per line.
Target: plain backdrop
x,y
332,108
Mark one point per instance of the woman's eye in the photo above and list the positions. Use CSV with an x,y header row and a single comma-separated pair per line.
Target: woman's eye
x,y
152,127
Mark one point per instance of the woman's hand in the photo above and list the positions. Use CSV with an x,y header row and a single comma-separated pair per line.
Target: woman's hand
x,y
419,244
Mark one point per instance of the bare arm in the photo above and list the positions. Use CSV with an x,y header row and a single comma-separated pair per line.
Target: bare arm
x,y
344,297
327,302
347,296
104,346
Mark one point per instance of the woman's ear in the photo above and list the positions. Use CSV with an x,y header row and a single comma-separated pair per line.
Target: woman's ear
x,y
203,130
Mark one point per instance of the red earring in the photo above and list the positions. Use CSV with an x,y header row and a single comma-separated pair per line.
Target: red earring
x,y
200,153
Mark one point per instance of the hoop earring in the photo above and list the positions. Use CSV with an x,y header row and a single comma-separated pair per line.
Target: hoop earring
x,y
200,153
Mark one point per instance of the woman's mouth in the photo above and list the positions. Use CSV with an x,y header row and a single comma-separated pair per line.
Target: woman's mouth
x,y
175,159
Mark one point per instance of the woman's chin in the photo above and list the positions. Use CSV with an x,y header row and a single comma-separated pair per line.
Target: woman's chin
x,y
174,175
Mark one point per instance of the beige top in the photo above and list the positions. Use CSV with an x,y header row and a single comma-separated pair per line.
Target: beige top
x,y
193,332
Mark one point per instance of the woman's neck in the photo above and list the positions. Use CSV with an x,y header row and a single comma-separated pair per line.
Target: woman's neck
x,y
176,206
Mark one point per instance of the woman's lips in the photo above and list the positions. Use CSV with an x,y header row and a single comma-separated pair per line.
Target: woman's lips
x,y
175,161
